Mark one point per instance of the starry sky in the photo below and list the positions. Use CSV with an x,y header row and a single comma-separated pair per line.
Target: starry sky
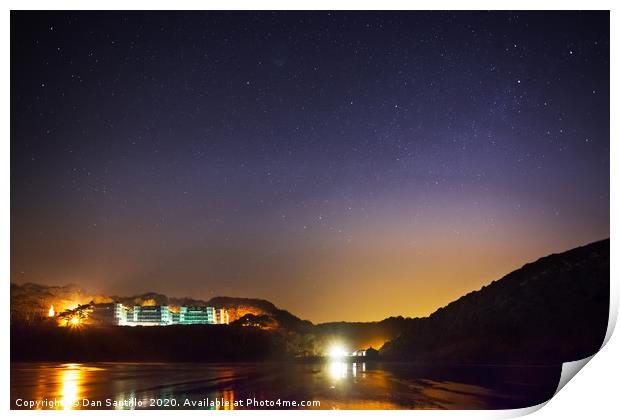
x,y
343,165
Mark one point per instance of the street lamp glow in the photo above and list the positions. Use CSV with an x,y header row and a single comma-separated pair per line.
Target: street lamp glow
x,y
337,352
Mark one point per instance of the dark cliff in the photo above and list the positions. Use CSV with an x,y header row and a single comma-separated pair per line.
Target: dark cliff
x,y
552,310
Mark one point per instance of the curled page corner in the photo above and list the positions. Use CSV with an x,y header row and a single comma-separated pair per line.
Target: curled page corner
x,y
613,312
570,369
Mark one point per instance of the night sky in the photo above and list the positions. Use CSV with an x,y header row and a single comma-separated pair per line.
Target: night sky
x,y
345,166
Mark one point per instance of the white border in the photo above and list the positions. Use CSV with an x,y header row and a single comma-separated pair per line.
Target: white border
x,y
592,395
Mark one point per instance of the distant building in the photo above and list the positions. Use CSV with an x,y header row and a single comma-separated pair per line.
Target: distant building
x,y
149,316
153,315
197,315
372,353
221,316
108,314
369,353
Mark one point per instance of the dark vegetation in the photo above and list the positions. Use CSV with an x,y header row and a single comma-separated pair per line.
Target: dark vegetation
x,y
181,343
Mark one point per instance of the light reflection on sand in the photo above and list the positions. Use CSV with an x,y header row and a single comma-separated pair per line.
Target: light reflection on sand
x,y
336,384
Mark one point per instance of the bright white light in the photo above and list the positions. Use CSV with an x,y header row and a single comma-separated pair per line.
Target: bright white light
x,y
337,352
338,369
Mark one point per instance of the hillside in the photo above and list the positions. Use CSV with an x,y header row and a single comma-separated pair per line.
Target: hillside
x,y
30,303
274,316
548,311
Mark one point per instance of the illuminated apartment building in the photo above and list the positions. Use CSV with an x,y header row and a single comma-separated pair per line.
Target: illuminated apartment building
x,y
152,315
108,314
149,316
197,315
221,316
